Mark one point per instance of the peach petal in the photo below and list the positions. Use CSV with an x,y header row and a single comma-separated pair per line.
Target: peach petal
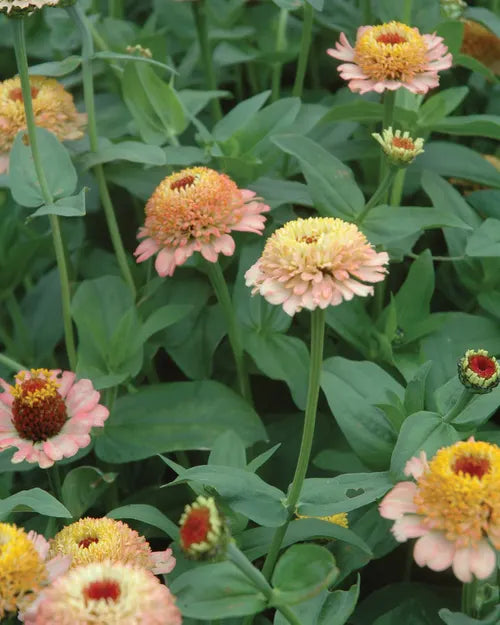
x,y
408,526
399,501
479,561
165,262
81,397
434,551
164,562
416,466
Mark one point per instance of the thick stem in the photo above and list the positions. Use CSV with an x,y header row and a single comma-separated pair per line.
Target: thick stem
x,y
115,9
305,44
258,580
379,193
200,18
11,363
397,188
317,340
469,598
55,481
22,65
222,292
279,46
462,401
78,17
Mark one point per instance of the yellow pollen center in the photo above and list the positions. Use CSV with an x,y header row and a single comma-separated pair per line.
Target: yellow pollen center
x,y
392,51
405,144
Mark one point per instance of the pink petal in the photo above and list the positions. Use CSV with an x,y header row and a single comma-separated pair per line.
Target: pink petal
x,y
40,543
52,451
208,252
343,49
434,551
164,562
416,466
65,383
408,526
165,262
82,397
479,561
399,501
146,249
224,244
57,567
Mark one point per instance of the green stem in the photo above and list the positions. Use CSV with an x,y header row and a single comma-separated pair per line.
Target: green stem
x,y
468,598
258,580
317,340
55,481
11,363
279,46
367,11
115,9
389,101
397,187
305,44
222,292
378,194
461,403
406,14
22,66
78,17
200,18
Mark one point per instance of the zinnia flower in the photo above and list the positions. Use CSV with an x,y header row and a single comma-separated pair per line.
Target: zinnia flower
x,y
453,509
391,56
337,519
314,262
96,540
23,567
478,371
106,593
401,149
194,210
53,108
481,44
19,7
48,416
203,532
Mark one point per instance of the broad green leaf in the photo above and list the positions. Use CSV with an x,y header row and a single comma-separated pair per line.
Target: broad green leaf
x,y
167,417
301,573
36,500
146,514
363,111
414,297
415,390
485,241
255,464
56,68
278,192
470,125
452,32
163,318
228,450
458,618
477,412
72,206
239,116
133,151
82,487
474,65
440,105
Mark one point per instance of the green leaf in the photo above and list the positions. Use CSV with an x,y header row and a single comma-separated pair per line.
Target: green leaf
x,y
72,206
146,514
239,116
133,151
255,464
352,390
56,68
458,618
415,391
421,431
440,105
162,318
363,111
474,65
243,491
167,417
228,450
36,500
414,297
477,412
470,125
301,573
485,241
82,487
330,182
61,175
452,32
485,17
119,56
214,591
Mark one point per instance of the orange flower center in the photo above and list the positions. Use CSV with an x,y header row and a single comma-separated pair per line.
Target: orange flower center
x,y
309,239
86,542
107,589
196,527
38,411
482,365
405,144
187,181
391,39
16,94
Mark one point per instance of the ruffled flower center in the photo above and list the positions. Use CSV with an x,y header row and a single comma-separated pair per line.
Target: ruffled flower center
x,y
196,527
187,181
403,143
86,542
107,589
16,94
473,466
38,411
483,366
392,51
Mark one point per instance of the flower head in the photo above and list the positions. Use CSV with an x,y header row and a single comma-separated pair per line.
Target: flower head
x,y
453,508
96,540
194,210
16,8
400,148
106,593
47,415
53,108
391,56
337,519
478,371
481,44
315,262
203,532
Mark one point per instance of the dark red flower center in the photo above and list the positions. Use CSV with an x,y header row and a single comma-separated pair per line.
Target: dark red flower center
x,y
309,239
107,589
16,94
182,183
482,365
84,543
401,142
391,39
472,465
195,527
38,411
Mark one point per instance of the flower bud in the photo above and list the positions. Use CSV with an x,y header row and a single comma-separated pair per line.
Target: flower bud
x,y
478,371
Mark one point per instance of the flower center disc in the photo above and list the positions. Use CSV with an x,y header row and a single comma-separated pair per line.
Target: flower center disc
x,y
187,181
473,466
106,589
38,411
196,527
405,144
86,542
482,365
391,39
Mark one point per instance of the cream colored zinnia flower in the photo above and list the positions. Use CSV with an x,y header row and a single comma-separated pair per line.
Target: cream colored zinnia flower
x,y
316,262
53,108
20,7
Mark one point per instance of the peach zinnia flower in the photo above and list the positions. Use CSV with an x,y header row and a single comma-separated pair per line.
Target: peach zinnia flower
x,y
194,210
315,262
391,56
106,593
48,416
53,108
453,509
96,540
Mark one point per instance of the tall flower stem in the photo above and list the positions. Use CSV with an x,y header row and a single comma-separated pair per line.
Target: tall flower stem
x,y
317,340
468,598
76,13
54,478
366,7
258,580
305,45
222,292
379,193
115,9
397,187
406,15
22,66
200,19
279,46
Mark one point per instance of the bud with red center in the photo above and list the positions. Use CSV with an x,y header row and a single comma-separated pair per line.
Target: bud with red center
x,y
203,531
401,149
478,371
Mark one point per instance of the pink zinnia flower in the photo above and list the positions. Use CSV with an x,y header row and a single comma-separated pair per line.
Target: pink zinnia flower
x,y
106,593
391,56
48,416
313,262
452,508
194,210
